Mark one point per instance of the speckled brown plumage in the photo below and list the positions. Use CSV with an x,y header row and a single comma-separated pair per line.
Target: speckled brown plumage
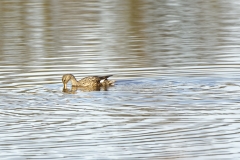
x,y
92,81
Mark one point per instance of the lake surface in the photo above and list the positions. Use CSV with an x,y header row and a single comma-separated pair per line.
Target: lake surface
x,y
176,66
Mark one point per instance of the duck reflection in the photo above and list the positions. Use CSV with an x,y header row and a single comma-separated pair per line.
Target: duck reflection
x,y
74,89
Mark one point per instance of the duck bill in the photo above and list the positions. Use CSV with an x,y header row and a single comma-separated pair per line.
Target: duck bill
x,y
65,86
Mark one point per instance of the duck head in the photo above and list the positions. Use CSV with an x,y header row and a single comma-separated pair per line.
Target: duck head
x,y
65,79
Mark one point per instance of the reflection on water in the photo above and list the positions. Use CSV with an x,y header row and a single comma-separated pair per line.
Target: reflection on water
x,y
74,89
176,65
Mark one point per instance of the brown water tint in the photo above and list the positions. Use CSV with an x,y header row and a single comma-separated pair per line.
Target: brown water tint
x,y
176,64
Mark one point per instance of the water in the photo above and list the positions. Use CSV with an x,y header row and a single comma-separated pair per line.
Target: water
x,y
177,70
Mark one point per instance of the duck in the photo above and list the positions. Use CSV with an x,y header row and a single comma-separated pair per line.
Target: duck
x,y
91,81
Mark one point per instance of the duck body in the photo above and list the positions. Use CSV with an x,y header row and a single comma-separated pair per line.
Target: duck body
x,y
91,81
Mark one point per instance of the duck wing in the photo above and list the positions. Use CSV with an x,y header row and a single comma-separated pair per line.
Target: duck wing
x,y
92,81
104,77
89,81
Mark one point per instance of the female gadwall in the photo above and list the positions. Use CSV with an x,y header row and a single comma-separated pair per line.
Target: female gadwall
x,y
93,81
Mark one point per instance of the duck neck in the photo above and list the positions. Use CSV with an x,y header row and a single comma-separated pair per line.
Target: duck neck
x,y
74,81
